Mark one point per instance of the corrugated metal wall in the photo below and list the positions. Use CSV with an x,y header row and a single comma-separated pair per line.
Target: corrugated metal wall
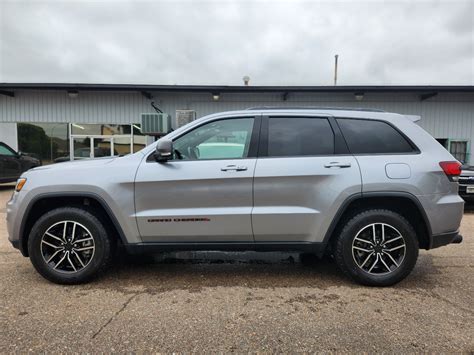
x,y
444,116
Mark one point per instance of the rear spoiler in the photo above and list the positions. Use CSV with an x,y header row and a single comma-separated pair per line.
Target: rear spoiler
x,y
413,118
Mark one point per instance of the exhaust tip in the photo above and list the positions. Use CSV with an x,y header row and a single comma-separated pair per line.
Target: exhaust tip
x,y
457,239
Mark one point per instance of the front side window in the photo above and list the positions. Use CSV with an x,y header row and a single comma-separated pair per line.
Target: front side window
x,y
4,150
299,136
373,137
224,139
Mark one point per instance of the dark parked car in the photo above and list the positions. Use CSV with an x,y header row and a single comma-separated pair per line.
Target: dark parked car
x,y
466,183
13,164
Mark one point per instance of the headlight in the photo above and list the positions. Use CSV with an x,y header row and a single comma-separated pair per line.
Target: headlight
x,y
19,184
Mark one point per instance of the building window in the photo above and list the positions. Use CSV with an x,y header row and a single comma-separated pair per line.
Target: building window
x,y
52,142
102,140
459,149
139,139
45,141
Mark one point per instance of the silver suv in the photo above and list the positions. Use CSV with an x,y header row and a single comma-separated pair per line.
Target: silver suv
x,y
368,187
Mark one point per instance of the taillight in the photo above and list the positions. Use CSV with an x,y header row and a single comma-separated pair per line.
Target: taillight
x,y
452,169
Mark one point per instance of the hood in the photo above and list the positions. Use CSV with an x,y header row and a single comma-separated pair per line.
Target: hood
x,y
76,164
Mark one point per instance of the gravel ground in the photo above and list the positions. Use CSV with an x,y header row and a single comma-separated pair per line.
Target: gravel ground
x,y
239,302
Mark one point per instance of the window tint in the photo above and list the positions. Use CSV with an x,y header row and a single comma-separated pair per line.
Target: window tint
x,y
299,136
225,139
368,136
5,151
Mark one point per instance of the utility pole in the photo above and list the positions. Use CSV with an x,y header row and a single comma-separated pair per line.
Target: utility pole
x,y
335,69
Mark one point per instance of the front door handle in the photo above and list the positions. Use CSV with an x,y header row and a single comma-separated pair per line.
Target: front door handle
x,y
234,168
336,164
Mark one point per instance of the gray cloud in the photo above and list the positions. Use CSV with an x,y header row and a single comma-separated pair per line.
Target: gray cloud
x,y
217,42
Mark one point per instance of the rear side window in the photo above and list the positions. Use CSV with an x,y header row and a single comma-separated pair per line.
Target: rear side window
x,y
373,137
299,136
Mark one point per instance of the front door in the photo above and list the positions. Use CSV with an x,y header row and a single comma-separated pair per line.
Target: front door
x,y
303,175
10,164
205,193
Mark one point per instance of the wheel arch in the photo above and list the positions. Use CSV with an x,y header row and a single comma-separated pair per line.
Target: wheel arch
x,y
403,203
50,201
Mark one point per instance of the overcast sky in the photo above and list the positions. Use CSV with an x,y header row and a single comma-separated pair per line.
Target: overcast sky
x,y
218,42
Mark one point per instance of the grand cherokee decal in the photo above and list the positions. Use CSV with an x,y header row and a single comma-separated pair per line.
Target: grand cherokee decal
x,y
162,220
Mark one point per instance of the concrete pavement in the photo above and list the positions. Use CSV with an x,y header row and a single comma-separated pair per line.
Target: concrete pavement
x,y
239,302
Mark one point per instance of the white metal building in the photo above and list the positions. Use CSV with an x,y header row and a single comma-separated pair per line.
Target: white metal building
x,y
56,121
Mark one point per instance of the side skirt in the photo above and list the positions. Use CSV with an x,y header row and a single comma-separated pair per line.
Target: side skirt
x,y
150,248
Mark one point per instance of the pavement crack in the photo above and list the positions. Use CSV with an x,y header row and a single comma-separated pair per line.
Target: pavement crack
x,y
115,315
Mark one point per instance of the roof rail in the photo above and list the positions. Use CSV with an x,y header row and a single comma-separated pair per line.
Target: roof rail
x,y
313,108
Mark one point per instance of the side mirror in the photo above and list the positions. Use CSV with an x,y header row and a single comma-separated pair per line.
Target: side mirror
x,y
164,150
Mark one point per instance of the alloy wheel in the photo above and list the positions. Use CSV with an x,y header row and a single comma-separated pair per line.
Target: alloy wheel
x,y
378,249
67,246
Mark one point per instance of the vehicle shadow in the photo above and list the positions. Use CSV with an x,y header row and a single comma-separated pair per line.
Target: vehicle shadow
x,y
7,186
469,207
194,271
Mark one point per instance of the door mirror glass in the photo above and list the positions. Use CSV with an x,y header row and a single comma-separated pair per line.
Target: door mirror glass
x,y
164,150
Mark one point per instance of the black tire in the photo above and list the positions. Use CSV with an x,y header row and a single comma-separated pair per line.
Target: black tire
x,y
101,256
343,248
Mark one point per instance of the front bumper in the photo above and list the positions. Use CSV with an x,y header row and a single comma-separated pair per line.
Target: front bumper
x,y
13,223
446,238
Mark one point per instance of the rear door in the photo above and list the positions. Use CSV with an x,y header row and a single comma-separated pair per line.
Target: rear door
x,y
303,174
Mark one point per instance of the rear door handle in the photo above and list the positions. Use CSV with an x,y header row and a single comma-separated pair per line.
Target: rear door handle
x,y
234,168
336,164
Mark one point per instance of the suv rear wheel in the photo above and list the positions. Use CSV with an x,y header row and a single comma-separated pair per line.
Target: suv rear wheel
x,y
69,246
377,248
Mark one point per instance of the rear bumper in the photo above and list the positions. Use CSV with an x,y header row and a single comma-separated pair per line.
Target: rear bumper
x,y
439,240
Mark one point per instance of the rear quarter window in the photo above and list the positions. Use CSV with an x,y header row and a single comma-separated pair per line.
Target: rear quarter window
x,y
373,137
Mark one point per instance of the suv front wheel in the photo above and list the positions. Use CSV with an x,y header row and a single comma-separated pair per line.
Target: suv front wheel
x,y
377,248
69,245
